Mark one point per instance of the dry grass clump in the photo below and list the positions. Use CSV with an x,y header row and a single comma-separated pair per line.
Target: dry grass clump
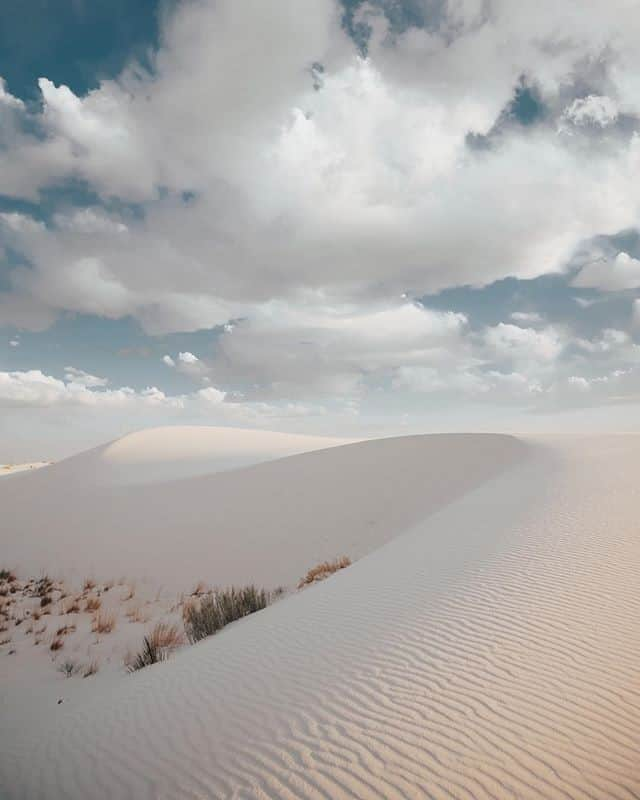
x,y
323,570
90,669
103,622
65,629
7,575
72,606
92,603
157,647
56,644
88,584
70,668
43,587
137,613
211,613
200,589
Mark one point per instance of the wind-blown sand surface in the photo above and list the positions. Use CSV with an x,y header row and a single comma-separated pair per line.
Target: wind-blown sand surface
x,y
492,650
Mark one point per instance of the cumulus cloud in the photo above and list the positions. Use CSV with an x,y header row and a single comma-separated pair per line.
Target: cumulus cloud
x,y
81,378
299,206
321,188
593,109
33,388
623,272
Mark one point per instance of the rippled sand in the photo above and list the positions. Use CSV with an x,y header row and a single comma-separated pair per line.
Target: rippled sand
x,y
492,650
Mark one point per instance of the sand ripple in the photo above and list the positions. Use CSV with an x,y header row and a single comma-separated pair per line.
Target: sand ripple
x,y
491,652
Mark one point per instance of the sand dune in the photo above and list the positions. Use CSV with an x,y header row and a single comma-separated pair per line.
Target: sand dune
x,y
490,651
267,523
183,451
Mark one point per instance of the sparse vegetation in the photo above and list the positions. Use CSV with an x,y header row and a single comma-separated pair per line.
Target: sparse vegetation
x,y
92,603
323,570
157,647
43,587
65,629
56,644
209,614
137,614
88,584
7,575
103,622
69,668
90,669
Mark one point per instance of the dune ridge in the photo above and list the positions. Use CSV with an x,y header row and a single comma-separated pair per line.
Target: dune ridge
x,y
267,523
489,652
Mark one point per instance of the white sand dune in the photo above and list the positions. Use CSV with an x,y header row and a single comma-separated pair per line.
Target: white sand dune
x,y
491,651
267,523
184,451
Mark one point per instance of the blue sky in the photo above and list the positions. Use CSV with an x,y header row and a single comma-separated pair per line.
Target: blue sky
x,y
361,218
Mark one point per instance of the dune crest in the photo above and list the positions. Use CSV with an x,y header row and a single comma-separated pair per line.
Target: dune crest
x,y
268,523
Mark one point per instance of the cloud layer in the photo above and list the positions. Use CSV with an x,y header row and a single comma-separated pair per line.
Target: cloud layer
x,y
299,191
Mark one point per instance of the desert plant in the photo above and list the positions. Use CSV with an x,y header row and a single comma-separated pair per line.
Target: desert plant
x,y
90,669
89,584
323,570
56,644
156,646
73,607
7,575
42,587
69,668
92,603
137,613
45,601
103,622
213,612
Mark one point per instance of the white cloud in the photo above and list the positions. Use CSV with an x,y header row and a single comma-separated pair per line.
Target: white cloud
x,y
593,109
523,345
610,276
14,342
291,216
33,388
363,189
526,317
79,377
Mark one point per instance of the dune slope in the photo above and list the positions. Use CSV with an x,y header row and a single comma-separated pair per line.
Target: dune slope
x,y
490,652
267,523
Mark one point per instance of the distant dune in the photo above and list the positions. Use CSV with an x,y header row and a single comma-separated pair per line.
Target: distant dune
x,y
486,647
266,523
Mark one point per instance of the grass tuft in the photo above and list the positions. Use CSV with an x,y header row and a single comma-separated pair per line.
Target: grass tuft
x,y
157,647
69,668
103,622
212,612
93,603
323,570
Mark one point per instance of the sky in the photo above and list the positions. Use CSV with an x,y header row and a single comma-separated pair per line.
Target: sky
x,y
354,217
